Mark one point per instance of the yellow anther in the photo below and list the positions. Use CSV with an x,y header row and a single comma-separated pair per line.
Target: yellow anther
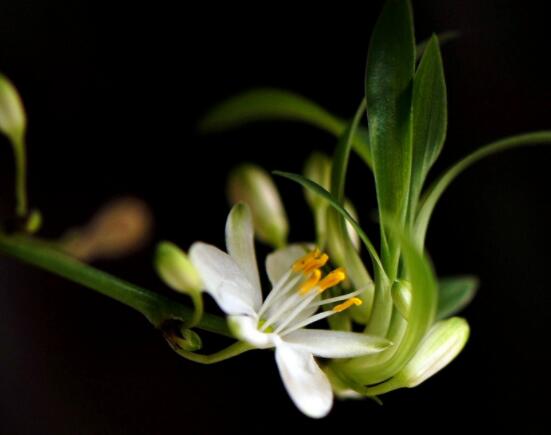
x,y
332,279
347,304
310,283
315,263
311,261
299,264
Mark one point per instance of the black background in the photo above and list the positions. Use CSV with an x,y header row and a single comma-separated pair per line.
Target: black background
x,y
113,94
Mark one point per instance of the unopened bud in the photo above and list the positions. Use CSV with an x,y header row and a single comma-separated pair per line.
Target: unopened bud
x,y
34,222
440,346
175,269
337,245
401,295
117,229
253,186
181,338
318,169
12,114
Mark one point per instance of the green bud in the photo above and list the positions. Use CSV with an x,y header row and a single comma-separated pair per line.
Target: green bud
x,y
401,295
34,222
336,244
175,269
189,340
318,169
12,114
352,233
440,346
253,186
181,338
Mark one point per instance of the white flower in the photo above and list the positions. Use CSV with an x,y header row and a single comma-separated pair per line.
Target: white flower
x,y
280,321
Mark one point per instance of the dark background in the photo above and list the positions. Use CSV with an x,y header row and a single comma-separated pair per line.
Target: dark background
x,y
113,94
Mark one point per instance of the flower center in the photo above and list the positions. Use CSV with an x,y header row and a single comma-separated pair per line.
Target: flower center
x,y
296,297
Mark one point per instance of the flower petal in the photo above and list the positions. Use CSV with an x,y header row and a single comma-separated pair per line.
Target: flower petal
x,y
279,262
224,279
240,245
335,344
305,382
246,328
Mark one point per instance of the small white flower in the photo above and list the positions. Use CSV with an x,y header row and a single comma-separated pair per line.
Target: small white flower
x,y
232,279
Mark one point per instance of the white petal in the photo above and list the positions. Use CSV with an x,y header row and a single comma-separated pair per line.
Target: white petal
x,y
240,245
246,328
307,385
335,344
223,279
279,262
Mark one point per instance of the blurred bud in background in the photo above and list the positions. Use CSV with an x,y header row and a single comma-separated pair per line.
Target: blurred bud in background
x,y
254,186
12,114
119,228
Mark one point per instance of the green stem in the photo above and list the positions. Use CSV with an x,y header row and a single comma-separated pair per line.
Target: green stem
x,y
198,312
156,308
18,144
227,353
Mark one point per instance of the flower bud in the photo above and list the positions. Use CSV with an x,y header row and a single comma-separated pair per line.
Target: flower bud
x,y
336,244
12,114
318,169
181,338
401,296
254,186
440,346
176,270
119,228
34,222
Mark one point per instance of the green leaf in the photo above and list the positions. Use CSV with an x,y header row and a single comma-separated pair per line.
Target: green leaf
x,y
269,104
430,117
316,188
389,74
454,294
439,186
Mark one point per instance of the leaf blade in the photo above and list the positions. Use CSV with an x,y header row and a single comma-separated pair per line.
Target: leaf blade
x,y
454,294
389,74
430,117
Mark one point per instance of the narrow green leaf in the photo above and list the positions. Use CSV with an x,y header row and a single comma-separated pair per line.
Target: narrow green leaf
x,y
270,104
430,117
454,294
436,190
388,86
316,188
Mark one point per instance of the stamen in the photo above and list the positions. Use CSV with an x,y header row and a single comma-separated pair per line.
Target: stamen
x,y
299,264
345,305
311,261
315,263
338,298
332,279
310,283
